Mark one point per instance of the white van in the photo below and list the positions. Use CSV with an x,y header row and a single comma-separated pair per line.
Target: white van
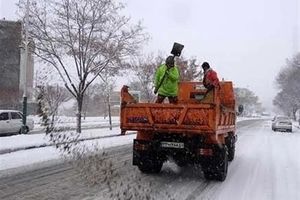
x,y
11,122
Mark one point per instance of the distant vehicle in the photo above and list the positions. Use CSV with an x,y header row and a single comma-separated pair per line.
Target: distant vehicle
x,y
266,114
282,123
11,122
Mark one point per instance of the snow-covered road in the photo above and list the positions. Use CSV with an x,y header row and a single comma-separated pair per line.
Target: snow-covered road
x,y
266,167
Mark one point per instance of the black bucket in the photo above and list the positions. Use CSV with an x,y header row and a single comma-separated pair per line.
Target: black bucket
x,y
177,48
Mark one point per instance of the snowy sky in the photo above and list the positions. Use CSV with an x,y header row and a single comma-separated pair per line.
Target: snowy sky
x,y
245,41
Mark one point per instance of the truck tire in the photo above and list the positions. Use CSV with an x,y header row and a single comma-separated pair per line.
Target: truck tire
x,y
230,144
231,153
217,168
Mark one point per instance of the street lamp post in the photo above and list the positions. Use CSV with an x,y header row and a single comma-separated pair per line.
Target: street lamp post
x,y
24,129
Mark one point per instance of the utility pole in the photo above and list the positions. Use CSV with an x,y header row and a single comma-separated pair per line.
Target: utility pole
x,y
24,130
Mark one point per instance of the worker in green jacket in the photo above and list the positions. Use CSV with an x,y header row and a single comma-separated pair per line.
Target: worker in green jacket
x,y
166,81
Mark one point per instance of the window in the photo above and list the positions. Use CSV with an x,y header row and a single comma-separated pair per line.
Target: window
x,y
4,116
283,118
15,115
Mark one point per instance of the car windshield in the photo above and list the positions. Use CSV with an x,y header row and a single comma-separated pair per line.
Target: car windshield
x,y
283,118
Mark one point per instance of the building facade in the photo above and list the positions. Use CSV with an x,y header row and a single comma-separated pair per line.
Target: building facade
x,y
11,67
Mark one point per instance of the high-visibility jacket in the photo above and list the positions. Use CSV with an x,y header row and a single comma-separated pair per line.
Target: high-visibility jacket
x,y
169,86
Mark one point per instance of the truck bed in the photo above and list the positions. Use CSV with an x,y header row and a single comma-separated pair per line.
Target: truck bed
x,y
181,118
196,112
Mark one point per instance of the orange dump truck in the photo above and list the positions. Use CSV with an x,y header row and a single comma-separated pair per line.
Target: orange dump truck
x,y
199,129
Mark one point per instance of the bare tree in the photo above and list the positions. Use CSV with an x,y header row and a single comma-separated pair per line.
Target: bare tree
x,y
189,69
49,99
288,81
108,86
87,100
144,69
248,99
95,101
81,38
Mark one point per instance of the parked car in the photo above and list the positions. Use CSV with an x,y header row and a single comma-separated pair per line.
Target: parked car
x,y
11,122
282,123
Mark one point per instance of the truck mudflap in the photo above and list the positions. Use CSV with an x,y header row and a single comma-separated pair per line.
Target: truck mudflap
x,y
146,157
145,150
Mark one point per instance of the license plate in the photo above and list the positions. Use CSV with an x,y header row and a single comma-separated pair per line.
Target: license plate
x,y
177,145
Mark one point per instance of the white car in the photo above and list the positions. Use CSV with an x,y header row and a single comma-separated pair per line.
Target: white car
x,y
11,122
282,123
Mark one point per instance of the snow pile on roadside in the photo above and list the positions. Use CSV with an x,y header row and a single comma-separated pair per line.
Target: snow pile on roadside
x,y
238,119
11,143
38,155
63,121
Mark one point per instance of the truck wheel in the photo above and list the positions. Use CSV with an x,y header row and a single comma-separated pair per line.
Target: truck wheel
x,y
230,144
217,169
231,153
150,166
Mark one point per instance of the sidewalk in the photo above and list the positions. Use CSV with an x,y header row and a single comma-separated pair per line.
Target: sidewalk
x,y
23,160
23,142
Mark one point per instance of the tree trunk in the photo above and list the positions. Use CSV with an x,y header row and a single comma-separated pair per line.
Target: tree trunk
x,y
78,115
294,111
86,103
294,114
109,112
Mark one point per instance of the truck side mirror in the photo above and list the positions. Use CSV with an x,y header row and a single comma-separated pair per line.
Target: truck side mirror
x,y
240,109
